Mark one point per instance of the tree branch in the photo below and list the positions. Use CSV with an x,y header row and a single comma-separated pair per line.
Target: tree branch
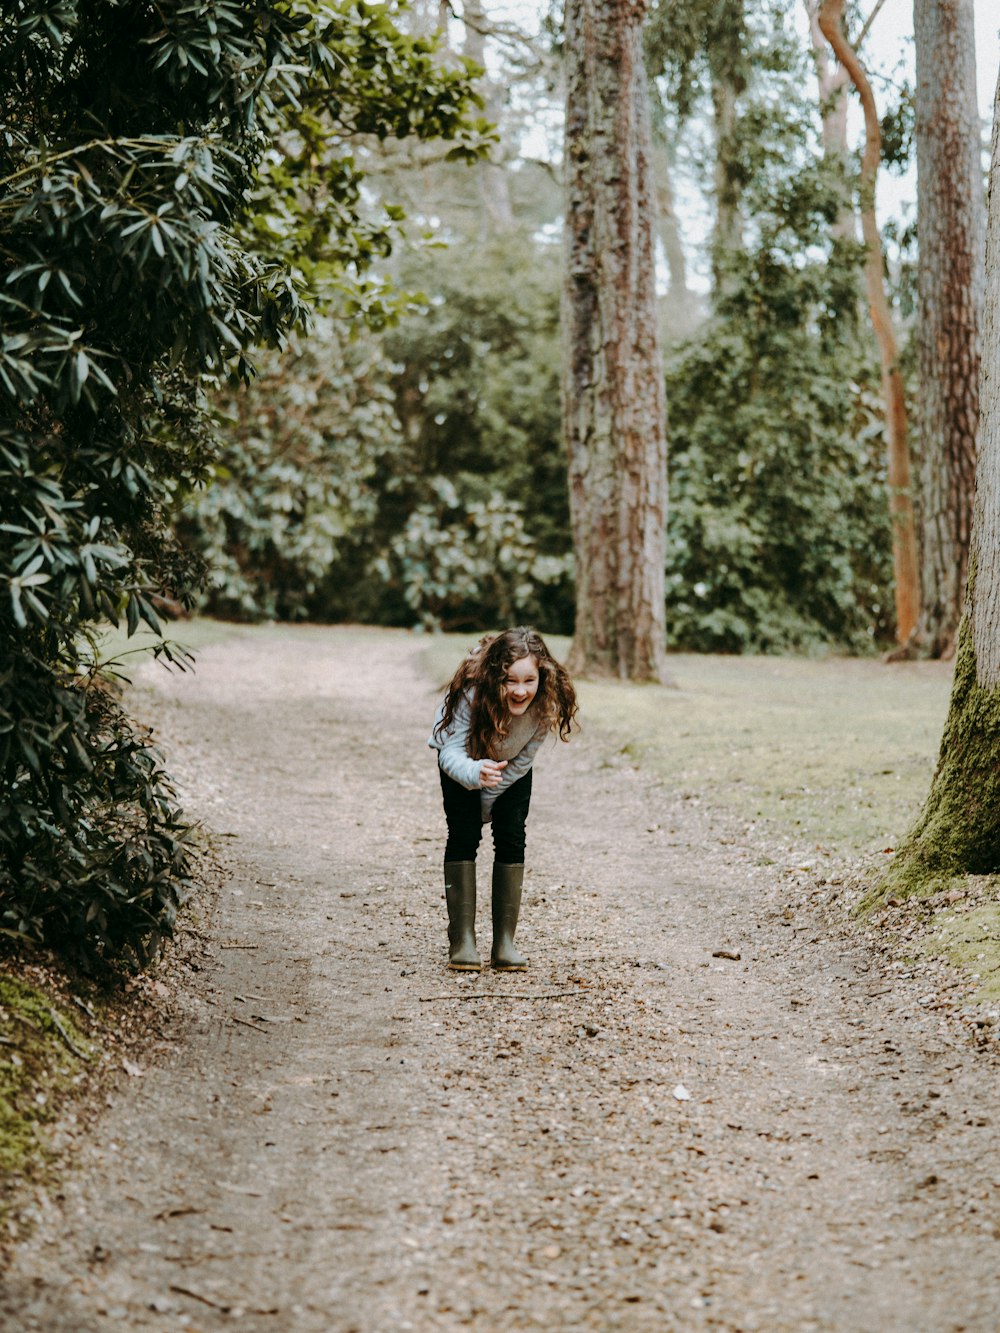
x,y
868,25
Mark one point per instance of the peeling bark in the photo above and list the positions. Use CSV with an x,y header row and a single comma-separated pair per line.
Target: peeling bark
x,y
904,539
613,386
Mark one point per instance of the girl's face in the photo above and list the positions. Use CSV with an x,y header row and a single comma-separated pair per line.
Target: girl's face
x,y
520,685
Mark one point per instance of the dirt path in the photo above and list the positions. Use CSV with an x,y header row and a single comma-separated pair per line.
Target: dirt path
x,y
333,1135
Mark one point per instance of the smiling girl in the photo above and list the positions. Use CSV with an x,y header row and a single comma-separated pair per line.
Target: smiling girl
x,y
504,699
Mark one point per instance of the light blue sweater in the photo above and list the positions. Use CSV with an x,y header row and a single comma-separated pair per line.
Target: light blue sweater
x,y
518,747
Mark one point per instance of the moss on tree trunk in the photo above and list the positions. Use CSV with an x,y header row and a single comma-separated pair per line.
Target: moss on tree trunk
x,y
958,831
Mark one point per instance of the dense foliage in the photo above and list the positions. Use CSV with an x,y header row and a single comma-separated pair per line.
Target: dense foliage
x,y
409,477
289,494
417,476
778,526
483,478
131,138
778,530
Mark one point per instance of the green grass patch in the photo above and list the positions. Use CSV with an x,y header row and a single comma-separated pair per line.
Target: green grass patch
x,y
42,1056
838,752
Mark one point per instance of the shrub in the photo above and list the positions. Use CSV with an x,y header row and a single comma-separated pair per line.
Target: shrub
x,y
468,563
131,138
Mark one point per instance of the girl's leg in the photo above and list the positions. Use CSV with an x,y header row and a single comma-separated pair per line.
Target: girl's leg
x,y
465,828
510,814
465,820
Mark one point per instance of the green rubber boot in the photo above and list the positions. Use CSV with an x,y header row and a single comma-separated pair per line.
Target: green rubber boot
x,y
460,892
507,881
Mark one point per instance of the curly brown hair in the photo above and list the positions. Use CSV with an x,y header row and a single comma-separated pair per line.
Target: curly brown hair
x,y
482,676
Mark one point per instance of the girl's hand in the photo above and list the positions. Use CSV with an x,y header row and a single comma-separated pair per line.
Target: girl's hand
x,y
491,772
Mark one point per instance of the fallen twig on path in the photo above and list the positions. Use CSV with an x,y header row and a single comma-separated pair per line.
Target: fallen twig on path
x,y
232,1308
254,1027
239,946
60,1028
197,1296
504,995
238,1189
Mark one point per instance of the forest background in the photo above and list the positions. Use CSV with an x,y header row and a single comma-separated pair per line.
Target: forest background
x,y
414,472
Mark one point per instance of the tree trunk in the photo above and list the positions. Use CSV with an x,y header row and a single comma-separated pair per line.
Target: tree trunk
x,y
613,385
669,229
904,539
951,232
728,237
833,82
494,192
726,42
959,829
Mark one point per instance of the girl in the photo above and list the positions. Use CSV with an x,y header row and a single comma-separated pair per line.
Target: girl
x,y
502,702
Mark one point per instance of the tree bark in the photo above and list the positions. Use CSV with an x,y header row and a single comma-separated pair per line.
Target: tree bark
x,y
833,83
613,384
669,228
958,831
951,232
728,238
498,214
904,539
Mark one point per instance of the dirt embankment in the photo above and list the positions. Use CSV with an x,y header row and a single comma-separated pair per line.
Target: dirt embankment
x,y
707,1105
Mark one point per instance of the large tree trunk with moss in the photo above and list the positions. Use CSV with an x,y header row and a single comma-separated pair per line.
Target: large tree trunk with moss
x,y
959,829
904,535
613,386
951,231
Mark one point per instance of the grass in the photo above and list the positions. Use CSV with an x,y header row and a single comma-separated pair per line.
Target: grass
x,y
836,753
966,932
42,1056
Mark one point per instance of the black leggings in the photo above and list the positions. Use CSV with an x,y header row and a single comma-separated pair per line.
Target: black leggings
x,y
465,821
